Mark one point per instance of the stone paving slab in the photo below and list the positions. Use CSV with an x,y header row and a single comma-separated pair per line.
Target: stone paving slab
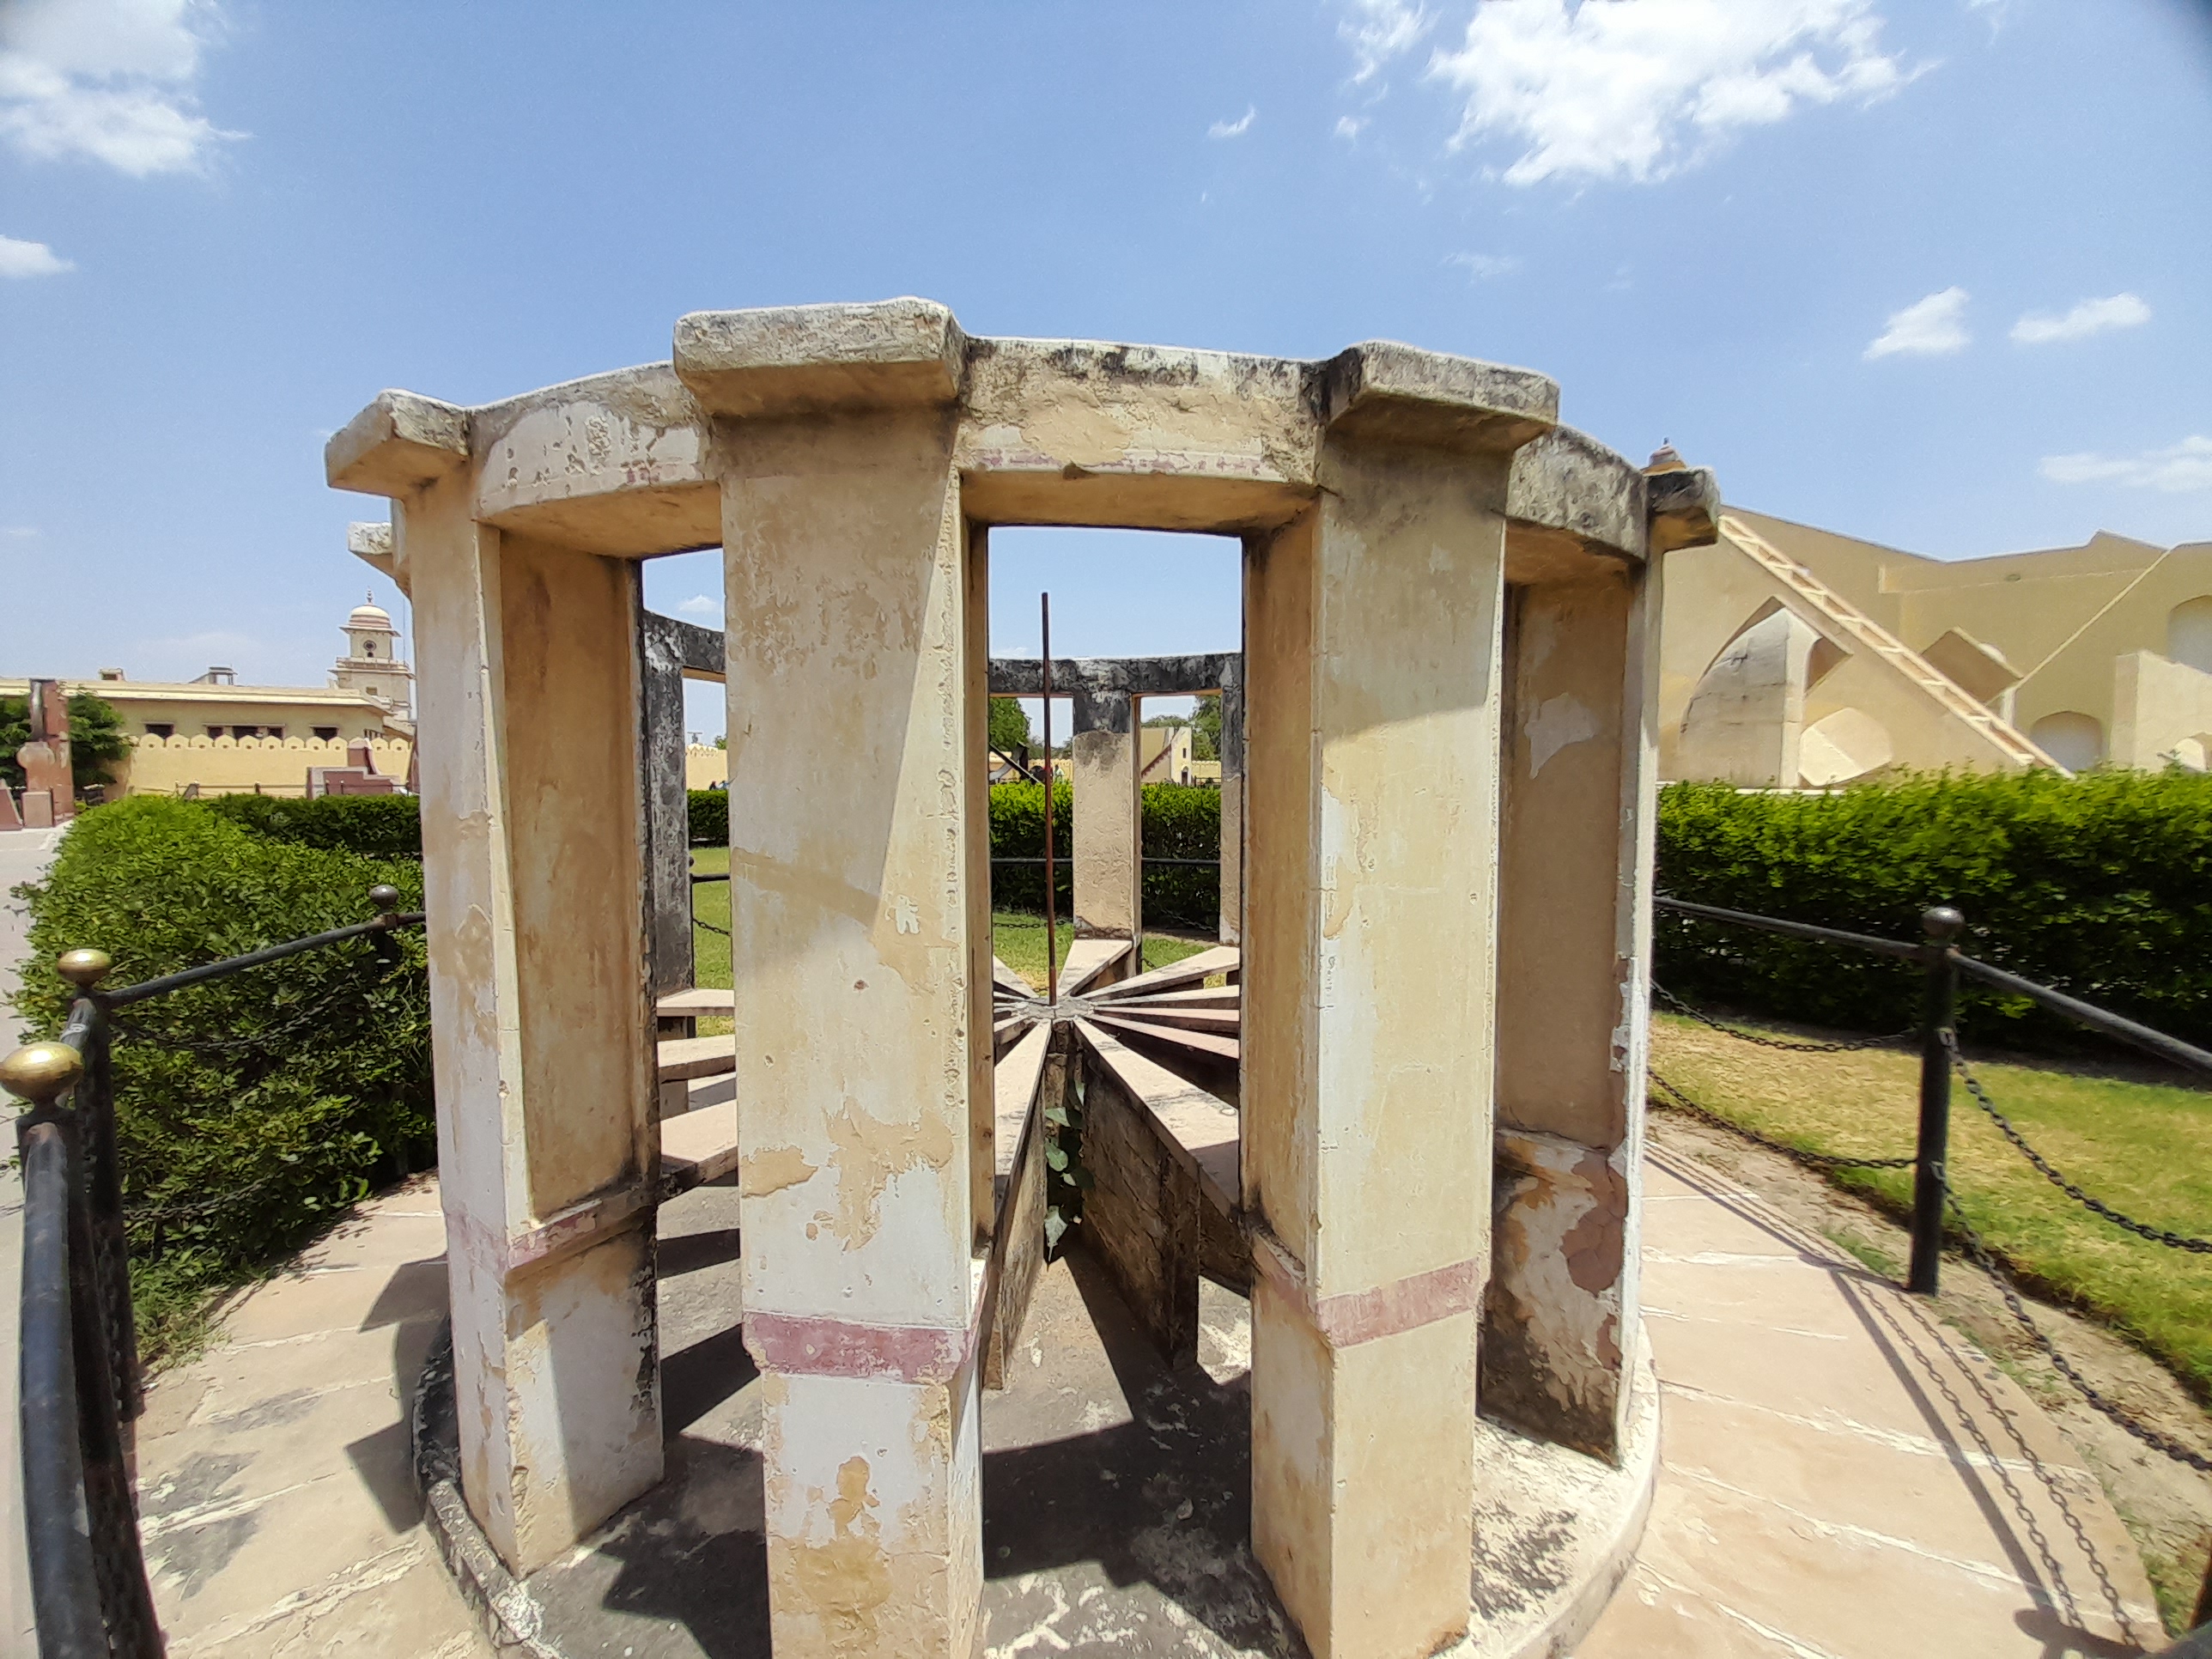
x,y
1841,1477
277,1490
1841,1474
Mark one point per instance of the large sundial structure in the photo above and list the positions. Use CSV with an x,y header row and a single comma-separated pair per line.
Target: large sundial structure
x,y
1401,1109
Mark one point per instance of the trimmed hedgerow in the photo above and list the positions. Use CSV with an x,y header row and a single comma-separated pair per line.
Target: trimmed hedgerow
x,y
1180,821
379,826
312,1081
2099,885
710,817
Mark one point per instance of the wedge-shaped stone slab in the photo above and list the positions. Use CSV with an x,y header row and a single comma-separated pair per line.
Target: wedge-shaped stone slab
x,y
698,1147
1191,970
800,360
1197,1042
1217,1022
701,999
1013,1085
685,1058
1229,997
1198,1126
1088,959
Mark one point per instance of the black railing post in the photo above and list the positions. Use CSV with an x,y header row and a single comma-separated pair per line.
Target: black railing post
x,y
1939,1008
102,1175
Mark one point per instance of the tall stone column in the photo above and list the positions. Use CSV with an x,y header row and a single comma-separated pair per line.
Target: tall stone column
x,y
1232,799
1108,813
860,924
1371,652
533,871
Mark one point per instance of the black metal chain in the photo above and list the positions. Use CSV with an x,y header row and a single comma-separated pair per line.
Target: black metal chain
x,y
2173,1241
699,921
303,1019
1742,1036
1977,1252
1681,1102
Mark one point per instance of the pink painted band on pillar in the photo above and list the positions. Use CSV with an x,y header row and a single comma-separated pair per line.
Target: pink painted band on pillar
x,y
1352,1317
837,1347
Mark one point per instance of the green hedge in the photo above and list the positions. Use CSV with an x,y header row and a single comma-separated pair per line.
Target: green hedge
x,y
2099,885
381,826
1180,822
710,817
233,1156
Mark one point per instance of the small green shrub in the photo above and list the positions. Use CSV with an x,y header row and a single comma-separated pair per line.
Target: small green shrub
x,y
2099,885
379,826
306,1081
1017,832
710,817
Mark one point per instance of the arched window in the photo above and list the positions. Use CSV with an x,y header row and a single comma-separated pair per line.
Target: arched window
x,y
2188,633
2075,741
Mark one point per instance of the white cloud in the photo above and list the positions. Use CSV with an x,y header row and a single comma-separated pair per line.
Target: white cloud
x,y
107,79
2186,465
700,605
1348,126
1236,129
1933,327
2088,318
1636,89
1481,265
1381,30
18,532
19,259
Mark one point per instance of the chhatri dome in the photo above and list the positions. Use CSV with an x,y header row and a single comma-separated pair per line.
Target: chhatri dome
x,y
371,664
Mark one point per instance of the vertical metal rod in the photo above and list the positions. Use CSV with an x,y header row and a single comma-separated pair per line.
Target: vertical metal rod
x,y
65,1584
1051,916
1939,1012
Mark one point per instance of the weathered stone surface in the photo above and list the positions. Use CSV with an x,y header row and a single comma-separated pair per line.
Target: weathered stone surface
x,y
1567,482
1387,392
1685,508
800,360
397,445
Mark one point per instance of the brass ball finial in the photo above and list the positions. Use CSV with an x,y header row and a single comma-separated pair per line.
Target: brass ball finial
x,y
40,1071
385,899
1942,923
84,968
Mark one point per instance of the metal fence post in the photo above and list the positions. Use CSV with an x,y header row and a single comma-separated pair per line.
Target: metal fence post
x,y
1939,1009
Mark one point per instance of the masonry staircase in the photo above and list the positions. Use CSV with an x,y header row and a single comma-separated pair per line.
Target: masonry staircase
x,y
1844,618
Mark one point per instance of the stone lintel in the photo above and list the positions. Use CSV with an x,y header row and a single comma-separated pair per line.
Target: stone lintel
x,y
1685,508
806,360
1393,393
397,445
1569,491
700,653
1136,677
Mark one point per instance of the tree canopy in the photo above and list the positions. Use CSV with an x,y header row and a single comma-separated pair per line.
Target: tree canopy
x,y
1010,726
96,738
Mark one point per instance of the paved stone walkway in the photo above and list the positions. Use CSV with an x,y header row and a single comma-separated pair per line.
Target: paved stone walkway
x,y
1841,1473
1843,1478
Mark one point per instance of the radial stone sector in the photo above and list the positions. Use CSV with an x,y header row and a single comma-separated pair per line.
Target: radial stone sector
x,y
1446,675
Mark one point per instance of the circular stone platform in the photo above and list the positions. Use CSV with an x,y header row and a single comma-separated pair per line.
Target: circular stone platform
x,y
1116,1495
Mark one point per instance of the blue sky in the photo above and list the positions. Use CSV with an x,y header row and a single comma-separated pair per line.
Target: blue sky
x,y
1930,273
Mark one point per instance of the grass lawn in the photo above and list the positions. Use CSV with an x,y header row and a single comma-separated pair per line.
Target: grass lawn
x,y
2144,1149
1017,936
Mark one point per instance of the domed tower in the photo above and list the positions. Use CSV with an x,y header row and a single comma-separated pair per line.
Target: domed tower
x,y
371,664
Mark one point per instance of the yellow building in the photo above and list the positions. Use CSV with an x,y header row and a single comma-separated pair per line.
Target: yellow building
x,y
213,736
1795,656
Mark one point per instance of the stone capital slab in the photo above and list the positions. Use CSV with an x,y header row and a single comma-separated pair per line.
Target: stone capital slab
x,y
1685,508
1393,393
806,360
397,445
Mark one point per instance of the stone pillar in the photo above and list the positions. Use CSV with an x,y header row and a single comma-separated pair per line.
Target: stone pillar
x,y
667,804
547,1156
1108,816
49,786
857,699
1232,799
1370,649
1579,764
